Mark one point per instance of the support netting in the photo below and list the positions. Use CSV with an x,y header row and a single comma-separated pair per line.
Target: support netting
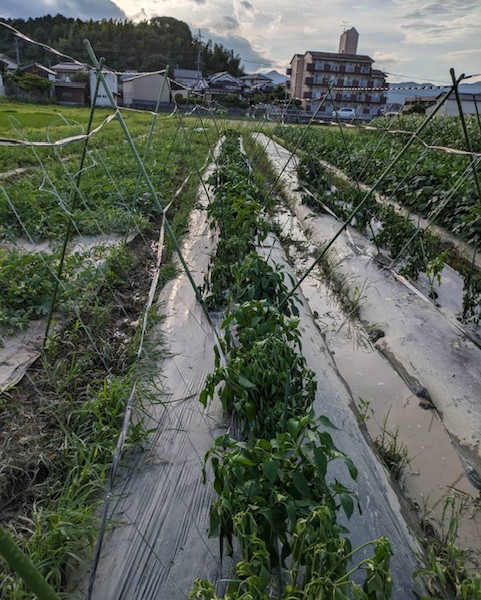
x,y
108,330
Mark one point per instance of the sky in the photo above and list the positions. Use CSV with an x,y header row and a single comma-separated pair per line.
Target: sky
x,y
412,40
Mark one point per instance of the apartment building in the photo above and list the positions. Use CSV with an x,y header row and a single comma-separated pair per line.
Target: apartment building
x,y
350,77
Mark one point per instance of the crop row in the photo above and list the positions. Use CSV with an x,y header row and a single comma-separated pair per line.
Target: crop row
x,y
435,184
111,197
419,249
276,507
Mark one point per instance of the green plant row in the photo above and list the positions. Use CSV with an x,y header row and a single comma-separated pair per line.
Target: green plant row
x,y
276,503
236,215
111,197
422,180
419,249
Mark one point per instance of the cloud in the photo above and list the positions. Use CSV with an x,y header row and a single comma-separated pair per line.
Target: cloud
x,y
438,22
385,60
230,23
474,52
82,9
252,59
247,5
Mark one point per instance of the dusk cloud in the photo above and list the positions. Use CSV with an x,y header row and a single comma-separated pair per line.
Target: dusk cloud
x,y
417,39
82,9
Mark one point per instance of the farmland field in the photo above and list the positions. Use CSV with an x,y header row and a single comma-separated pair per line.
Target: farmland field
x,y
222,357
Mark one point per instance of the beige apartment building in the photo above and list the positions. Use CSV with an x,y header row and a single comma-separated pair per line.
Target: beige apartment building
x,y
354,82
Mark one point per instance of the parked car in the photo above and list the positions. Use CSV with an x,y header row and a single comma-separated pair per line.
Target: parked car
x,y
344,113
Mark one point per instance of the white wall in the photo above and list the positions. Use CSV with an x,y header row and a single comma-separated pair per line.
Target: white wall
x,y
146,89
111,80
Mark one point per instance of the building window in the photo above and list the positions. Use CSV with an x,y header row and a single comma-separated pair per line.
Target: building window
x,y
364,69
348,81
318,78
334,67
349,68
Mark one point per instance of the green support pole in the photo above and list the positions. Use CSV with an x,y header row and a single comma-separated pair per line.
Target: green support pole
x,y
151,131
71,205
22,564
150,185
371,192
465,130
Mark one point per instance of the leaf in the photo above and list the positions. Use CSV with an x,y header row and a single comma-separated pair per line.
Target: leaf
x,y
323,420
293,427
301,484
321,461
347,504
245,383
203,397
270,470
214,522
351,467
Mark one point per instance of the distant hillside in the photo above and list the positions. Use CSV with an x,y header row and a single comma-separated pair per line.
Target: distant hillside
x,y
145,46
276,77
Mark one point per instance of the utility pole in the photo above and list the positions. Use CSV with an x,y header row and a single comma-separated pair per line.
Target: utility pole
x,y
17,51
199,39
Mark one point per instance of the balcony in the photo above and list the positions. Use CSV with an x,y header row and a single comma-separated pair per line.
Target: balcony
x,y
289,71
307,95
308,81
310,67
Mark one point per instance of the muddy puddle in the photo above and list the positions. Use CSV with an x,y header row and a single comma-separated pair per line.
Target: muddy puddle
x,y
386,406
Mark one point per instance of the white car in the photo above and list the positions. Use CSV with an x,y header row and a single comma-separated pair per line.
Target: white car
x,y
344,113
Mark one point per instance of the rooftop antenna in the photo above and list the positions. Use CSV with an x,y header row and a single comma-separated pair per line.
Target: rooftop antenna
x,y
344,25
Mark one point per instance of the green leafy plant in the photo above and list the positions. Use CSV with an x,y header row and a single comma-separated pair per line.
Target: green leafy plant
x,y
281,480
